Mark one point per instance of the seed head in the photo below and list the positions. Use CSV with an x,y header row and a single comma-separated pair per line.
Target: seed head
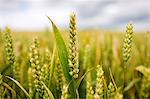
x,y
35,64
73,49
59,75
9,47
127,42
99,83
111,90
64,92
89,92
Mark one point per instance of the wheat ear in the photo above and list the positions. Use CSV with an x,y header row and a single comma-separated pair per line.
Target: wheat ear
x,y
73,49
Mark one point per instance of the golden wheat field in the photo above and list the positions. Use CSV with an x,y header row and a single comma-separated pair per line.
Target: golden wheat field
x,y
74,64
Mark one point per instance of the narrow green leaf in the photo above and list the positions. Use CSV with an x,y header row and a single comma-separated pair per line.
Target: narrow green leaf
x,y
77,94
63,57
112,78
19,85
8,87
81,79
48,91
52,65
131,84
144,70
4,69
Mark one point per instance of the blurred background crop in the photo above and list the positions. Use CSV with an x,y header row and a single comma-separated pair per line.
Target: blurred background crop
x,y
104,37
104,14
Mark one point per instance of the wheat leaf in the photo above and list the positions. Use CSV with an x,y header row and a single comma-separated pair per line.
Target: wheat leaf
x,y
52,65
8,87
144,70
48,91
19,85
81,79
131,84
62,52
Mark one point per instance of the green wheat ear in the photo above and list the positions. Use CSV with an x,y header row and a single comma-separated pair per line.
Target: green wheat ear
x,y
65,93
111,91
10,53
46,67
99,92
35,61
59,75
39,72
73,49
127,44
35,64
9,47
118,96
44,73
89,91
144,92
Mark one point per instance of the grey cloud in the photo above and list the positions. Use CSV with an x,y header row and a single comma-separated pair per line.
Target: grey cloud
x,y
90,13
91,9
11,6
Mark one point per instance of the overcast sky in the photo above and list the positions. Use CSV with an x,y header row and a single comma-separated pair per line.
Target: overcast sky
x,y
106,14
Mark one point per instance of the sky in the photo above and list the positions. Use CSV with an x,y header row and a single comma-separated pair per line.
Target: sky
x,y
105,14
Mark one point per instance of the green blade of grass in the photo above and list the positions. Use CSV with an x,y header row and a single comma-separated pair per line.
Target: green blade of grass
x,y
144,70
63,57
52,66
8,87
112,78
4,69
48,91
131,84
81,79
19,85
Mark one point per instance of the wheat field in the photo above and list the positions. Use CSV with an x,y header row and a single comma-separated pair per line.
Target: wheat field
x,y
74,64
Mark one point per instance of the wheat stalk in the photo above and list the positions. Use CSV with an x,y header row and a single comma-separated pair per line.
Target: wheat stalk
x,y
127,44
11,60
